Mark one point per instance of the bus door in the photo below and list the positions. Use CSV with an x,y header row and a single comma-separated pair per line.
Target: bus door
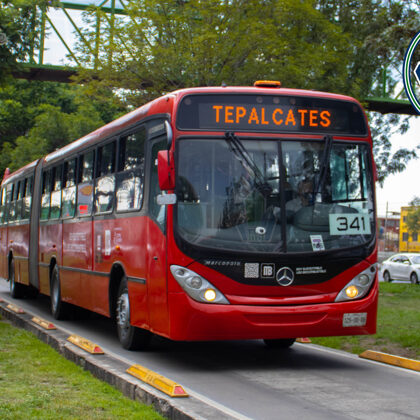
x,y
156,246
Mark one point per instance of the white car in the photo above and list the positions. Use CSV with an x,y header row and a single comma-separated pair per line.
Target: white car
x,y
402,267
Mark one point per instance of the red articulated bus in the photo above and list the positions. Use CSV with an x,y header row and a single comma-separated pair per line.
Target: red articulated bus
x,y
213,213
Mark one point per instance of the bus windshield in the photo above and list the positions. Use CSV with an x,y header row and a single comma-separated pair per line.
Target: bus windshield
x,y
265,195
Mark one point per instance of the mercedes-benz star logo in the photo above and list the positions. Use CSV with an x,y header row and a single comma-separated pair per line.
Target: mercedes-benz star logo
x,y
285,276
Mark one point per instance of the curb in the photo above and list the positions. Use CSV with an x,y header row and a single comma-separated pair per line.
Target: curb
x,y
390,359
113,371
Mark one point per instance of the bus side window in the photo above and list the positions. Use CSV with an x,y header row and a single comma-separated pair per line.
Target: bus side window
x,y
105,183
8,202
46,195
130,177
19,201
27,200
69,191
12,202
56,182
85,184
2,205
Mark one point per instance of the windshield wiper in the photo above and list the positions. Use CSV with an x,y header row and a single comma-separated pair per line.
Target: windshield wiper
x,y
324,167
248,163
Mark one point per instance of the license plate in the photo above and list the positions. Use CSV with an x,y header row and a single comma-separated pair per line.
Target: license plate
x,y
355,320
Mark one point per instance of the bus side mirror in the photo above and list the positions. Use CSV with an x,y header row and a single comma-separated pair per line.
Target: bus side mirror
x,y
166,172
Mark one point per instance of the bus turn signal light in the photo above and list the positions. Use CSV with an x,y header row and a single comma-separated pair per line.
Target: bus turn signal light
x,y
352,292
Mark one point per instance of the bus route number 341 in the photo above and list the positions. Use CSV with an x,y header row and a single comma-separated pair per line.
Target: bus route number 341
x,y
349,224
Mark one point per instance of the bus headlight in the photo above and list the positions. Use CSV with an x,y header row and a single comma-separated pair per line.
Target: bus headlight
x,y
359,286
197,287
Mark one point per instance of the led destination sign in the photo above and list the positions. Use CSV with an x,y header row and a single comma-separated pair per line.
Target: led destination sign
x,y
270,113
245,116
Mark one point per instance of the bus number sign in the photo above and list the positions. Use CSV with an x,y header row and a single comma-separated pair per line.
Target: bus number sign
x,y
349,224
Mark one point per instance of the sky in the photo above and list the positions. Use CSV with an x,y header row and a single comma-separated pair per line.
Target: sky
x,y
397,191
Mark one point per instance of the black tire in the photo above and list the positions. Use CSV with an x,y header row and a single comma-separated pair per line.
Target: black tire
x,y
281,343
413,278
59,309
17,290
131,338
387,277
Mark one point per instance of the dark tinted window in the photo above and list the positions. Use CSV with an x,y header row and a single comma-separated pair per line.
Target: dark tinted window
x,y
106,159
129,190
86,166
85,185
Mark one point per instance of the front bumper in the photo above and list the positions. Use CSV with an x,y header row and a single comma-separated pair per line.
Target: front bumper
x,y
193,321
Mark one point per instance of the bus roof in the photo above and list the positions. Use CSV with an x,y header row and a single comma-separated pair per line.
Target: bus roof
x,y
164,106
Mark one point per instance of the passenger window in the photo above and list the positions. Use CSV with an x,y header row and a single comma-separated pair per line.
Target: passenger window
x,y
19,200
105,183
46,195
85,184
57,174
27,200
12,204
129,192
2,201
9,202
69,191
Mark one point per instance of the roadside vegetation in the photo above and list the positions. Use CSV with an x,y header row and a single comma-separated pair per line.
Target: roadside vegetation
x,y
38,383
398,329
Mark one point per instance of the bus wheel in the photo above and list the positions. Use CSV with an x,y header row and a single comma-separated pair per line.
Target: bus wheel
x,y
131,338
281,343
17,290
59,309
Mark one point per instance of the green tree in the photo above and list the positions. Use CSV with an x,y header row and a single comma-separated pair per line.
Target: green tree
x,y
18,18
342,46
38,117
164,46
379,33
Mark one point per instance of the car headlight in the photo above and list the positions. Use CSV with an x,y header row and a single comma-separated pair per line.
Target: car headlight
x,y
359,286
197,287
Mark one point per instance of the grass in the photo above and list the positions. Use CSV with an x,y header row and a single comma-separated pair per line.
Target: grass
x,y
38,383
398,330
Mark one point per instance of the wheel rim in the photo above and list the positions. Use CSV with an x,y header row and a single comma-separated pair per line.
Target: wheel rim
x,y
123,313
386,276
414,278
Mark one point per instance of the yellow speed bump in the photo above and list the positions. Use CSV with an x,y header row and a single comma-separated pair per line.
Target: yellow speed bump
x,y
15,308
85,344
43,323
165,385
391,359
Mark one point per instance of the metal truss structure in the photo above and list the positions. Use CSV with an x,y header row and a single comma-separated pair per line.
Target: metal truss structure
x,y
106,11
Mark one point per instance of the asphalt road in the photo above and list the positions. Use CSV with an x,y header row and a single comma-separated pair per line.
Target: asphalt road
x,y
247,380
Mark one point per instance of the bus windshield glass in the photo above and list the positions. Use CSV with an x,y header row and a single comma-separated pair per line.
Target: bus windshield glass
x,y
274,196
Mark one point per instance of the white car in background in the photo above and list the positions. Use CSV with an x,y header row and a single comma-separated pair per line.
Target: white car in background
x,y
402,267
